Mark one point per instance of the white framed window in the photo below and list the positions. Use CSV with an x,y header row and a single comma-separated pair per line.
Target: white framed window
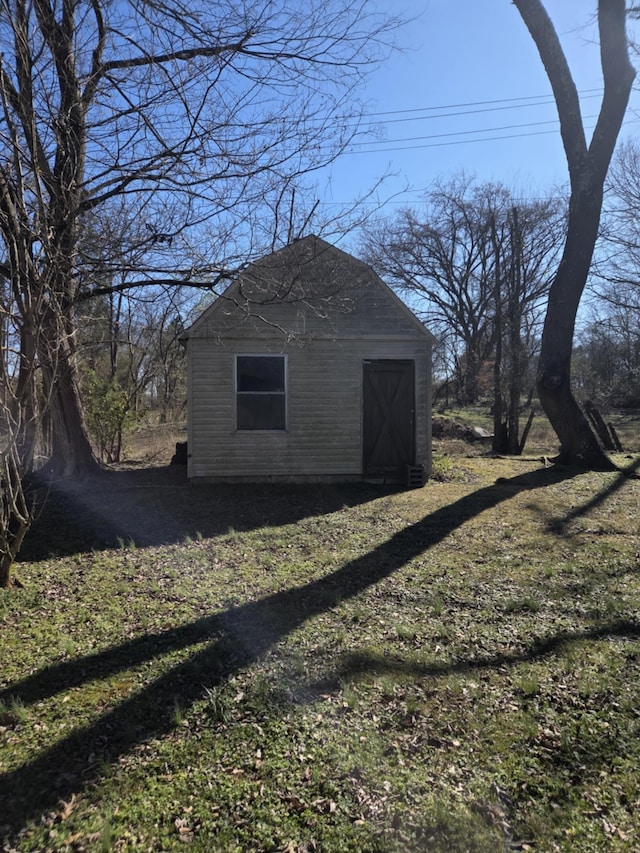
x,y
261,392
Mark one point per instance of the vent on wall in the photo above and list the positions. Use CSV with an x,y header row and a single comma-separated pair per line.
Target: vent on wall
x,y
416,476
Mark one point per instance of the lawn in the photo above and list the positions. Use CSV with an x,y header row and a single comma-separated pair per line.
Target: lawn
x,y
326,668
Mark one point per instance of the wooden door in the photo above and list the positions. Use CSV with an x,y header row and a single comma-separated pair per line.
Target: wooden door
x,y
388,429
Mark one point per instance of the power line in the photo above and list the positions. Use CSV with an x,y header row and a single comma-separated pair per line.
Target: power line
x,y
466,132
463,141
518,101
509,106
426,113
456,142
383,146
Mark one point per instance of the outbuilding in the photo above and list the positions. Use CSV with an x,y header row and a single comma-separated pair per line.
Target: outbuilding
x,y
309,368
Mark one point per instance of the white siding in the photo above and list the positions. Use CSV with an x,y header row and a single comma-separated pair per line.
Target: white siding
x,y
335,314
323,439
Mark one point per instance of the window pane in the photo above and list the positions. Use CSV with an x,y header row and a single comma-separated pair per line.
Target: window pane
x,y
260,373
261,411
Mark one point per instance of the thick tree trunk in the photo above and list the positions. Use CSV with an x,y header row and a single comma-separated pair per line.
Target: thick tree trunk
x,y
16,510
588,165
578,443
5,572
71,453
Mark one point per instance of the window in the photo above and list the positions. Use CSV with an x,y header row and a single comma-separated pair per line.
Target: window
x,y
261,392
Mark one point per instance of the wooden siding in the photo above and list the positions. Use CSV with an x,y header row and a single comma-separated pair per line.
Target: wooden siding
x,y
323,440
329,313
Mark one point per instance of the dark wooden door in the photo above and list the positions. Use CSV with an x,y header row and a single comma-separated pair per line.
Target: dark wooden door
x,y
388,429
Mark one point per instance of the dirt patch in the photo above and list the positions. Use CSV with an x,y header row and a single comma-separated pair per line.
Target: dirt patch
x,y
446,428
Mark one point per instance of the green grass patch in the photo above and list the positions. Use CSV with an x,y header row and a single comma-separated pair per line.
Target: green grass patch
x,y
330,669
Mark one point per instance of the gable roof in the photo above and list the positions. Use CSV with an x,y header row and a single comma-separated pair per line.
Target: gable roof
x,y
309,278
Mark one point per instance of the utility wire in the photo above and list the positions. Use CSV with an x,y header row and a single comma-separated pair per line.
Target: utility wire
x,y
511,106
377,119
516,101
460,141
382,146
465,133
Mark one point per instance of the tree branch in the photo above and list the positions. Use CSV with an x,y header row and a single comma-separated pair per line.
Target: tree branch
x,y
564,89
618,75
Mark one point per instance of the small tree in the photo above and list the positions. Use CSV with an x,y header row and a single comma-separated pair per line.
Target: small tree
x,y
108,411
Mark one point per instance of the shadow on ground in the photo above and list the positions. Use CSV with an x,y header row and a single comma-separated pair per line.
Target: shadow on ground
x,y
159,506
233,639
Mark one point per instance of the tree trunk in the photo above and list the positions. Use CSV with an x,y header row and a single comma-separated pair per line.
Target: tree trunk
x,y
499,432
16,510
8,555
471,377
5,571
514,327
578,443
588,165
71,453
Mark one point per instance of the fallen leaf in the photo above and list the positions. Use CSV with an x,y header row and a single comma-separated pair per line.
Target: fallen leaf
x,y
67,808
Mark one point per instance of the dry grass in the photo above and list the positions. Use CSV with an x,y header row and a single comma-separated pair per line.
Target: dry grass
x,y
153,444
541,440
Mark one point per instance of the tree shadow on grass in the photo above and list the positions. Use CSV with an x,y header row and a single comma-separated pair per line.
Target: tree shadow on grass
x,y
234,639
359,664
583,751
560,525
159,506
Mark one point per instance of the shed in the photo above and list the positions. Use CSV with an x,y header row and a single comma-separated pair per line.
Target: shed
x,y
308,368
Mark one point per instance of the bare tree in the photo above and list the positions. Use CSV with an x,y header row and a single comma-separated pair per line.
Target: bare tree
x,y
588,164
526,238
616,270
609,345
192,112
476,265
607,354
442,262
177,113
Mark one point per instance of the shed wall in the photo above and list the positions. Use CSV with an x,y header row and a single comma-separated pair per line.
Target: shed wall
x,y
323,440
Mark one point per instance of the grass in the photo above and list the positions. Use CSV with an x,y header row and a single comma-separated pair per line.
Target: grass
x,y
327,668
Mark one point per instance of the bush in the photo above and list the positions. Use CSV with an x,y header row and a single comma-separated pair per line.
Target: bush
x,y
108,412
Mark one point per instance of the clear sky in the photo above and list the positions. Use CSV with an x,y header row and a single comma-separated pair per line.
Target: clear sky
x,y
468,92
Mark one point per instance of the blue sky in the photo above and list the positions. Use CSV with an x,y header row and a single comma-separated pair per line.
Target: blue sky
x,y
469,67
